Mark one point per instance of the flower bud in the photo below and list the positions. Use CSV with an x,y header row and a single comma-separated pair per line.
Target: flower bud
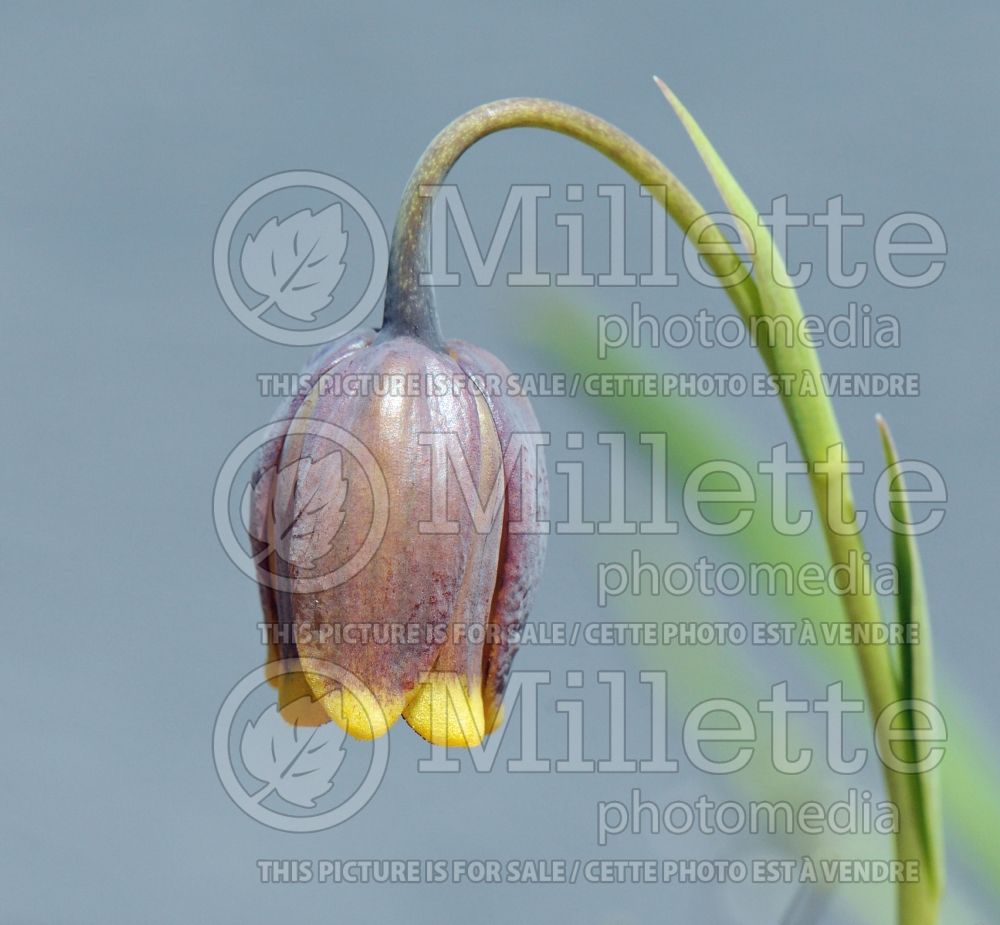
x,y
425,618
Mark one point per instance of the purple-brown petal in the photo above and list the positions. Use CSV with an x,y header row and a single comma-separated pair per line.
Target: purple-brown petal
x,y
262,484
522,552
409,593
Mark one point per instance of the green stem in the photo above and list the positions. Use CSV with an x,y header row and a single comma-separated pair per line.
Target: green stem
x,y
409,305
409,309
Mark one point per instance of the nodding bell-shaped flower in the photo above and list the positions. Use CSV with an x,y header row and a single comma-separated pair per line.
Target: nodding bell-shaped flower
x,y
397,514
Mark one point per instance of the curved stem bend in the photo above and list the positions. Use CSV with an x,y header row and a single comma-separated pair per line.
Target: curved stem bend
x,y
409,303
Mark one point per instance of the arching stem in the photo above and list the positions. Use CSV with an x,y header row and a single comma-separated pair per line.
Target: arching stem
x,y
409,303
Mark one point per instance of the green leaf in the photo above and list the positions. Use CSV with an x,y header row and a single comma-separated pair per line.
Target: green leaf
x,y
811,415
916,681
814,422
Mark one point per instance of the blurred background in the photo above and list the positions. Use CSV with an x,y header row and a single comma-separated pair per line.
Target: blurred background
x,y
128,129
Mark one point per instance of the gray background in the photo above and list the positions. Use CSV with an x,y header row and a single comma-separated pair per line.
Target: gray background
x,y
127,130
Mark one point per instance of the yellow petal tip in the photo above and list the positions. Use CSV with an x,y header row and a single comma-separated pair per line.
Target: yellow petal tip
x,y
359,715
445,711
